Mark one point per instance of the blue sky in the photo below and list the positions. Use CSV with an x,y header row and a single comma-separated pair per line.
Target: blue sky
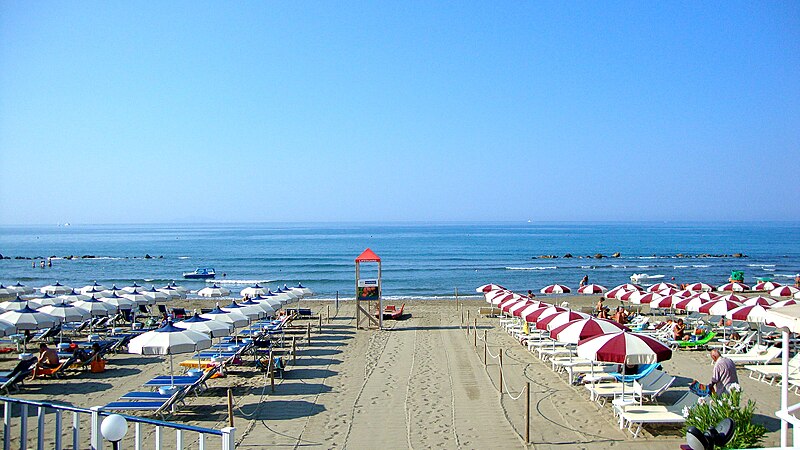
x,y
134,112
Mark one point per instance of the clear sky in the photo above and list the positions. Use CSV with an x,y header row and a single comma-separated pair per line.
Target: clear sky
x,y
132,112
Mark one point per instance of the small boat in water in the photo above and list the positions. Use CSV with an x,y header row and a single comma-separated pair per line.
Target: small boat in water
x,y
200,274
639,277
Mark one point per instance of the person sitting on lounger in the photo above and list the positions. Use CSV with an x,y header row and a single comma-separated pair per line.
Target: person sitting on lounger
x,y
48,358
620,316
82,356
679,333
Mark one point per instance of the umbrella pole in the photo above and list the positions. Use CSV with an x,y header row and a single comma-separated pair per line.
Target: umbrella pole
x,y
171,372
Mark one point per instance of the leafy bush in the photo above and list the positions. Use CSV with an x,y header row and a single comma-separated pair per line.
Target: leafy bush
x,y
709,411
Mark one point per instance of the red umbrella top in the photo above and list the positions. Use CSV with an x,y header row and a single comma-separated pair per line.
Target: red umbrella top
x,y
733,298
628,295
753,313
555,289
541,313
617,291
532,315
783,303
647,298
766,286
629,287
496,297
506,305
718,307
708,296
572,332
515,309
763,301
784,291
528,308
700,287
665,302
624,348
669,291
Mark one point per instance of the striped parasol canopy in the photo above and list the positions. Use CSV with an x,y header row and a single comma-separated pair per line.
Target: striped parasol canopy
x,y
532,306
624,348
766,286
508,303
644,299
542,312
560,318
733,287
515,309
708,296
718,307
629,287
753,313
617,291
697,287
690,304
592,289
669,291
733,297
495,297
784,291
763,301
555,289
486,288
783,303
662,286
572,332
628,296
665,302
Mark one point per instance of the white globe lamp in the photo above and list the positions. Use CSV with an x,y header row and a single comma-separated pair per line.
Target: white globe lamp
x,y
113,428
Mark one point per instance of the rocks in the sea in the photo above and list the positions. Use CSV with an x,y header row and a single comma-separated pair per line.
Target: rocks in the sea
x,y
88,257
616,255
568,255
599,256
147,256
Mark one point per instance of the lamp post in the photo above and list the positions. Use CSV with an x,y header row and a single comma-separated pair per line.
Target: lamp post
x,y
113,429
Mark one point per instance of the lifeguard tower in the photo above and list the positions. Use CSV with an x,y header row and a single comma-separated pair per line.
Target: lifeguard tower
x,y
368,293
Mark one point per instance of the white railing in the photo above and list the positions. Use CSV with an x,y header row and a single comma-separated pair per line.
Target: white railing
x,y
89,420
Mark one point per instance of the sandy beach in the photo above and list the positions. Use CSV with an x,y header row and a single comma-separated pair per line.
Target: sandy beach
x,y
420,383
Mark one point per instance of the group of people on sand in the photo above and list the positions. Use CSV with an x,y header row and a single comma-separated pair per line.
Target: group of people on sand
x,y
48,357
620,315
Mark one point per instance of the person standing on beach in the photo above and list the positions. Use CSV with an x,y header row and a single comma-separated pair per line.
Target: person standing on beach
x,y
531,295
723,374
584,281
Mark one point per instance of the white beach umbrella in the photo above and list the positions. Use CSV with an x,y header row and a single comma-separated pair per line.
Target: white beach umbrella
x,y
172,292
577,330
169,340
645,299
592,289
28,318
7,329
55,289
699,287
73,296
95,292
95,307
708,296
212,328
733,298
718,307
307,292
541,314
235,318
496,297
617,292
629,287
270,300
47,299
518,307
690,304
178,288
251,312
281,296
156,295
66,312
264,306
93,288
18,303
555,289
119,303
115,290
22,289
754,313
784,303
555,320
763,301
628,296
298,292
668,292
138,297
213,291
531,307
291,295
784,291
132,288
7,292
253,291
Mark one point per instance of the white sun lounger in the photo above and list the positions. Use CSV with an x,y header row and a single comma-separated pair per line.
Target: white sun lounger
x,y
760,355
638,415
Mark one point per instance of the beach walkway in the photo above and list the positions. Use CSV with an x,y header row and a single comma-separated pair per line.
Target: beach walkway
x,y
418,385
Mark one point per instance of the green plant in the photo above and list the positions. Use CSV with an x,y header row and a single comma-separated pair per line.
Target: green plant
x,y
711,410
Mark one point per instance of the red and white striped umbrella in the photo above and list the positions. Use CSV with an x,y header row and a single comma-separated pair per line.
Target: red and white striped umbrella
x,y
668,292
733,287
708,296
628,295
531,306
592,289
763,301
500,299
616,292
766,286
733,297
555,289
753,313
494,297
700,287
665,302
541,313
718,307
506,305
489,288
783,303
630,287
573,332
685,293
690,304
530,315
662,286
645,299
515,309
554,320
624,348
784,291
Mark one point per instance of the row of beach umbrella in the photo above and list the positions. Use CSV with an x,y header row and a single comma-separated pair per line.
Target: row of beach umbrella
x,y
774,289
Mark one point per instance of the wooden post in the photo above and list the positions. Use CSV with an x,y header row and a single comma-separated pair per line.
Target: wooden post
x,y
485,361
294,350
462,317
271,370
328,307
500,385
320,323
467,322
457,305
475,329
308,333
528,412
230,407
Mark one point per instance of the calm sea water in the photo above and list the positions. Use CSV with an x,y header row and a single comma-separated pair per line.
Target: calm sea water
x,y
418,260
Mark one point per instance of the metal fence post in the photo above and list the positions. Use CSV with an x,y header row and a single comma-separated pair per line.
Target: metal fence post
x,y
7,426
23,432
59,430
40,431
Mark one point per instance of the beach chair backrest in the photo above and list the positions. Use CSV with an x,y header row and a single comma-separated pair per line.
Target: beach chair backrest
x,y
650,378
166,408
689,399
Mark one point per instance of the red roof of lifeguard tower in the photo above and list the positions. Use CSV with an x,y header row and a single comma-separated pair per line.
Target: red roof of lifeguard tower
x,y
368,256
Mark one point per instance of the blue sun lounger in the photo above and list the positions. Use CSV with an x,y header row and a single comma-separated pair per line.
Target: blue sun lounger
x,y
157,407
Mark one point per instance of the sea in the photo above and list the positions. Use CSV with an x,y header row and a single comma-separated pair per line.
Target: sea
x,y
418,260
